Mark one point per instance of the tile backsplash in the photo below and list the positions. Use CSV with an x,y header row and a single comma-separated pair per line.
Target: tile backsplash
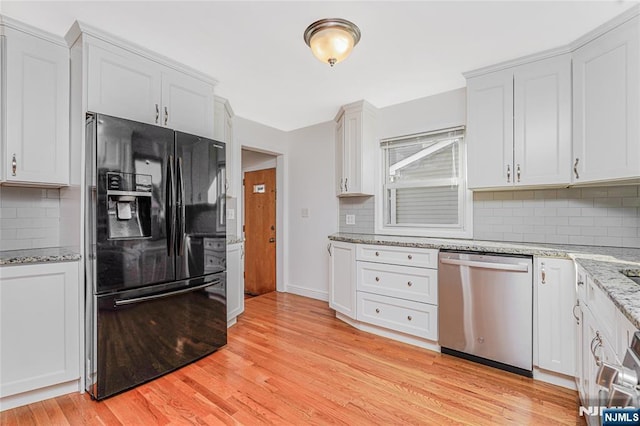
x,y
29,218
363,209
598,216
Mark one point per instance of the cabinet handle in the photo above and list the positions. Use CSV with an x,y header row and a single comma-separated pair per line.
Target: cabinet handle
x,y
14,165
580,282
377,279
575,168
595,344
577,305
226,185
518,172
409,284
346,188
543,273
329,248
409,317
341,185
377,311
410,257
157,113
508,173
166,116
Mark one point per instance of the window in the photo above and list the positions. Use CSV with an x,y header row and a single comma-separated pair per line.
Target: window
x,y
424,187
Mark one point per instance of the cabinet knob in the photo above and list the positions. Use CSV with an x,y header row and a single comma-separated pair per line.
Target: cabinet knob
x,y
14,165
409,284
166,116
410,257
377,254
409,317
575,168
377,311
377,279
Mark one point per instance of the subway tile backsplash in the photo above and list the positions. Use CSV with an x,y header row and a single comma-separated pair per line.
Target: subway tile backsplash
x,y
29,218
600,216
363,209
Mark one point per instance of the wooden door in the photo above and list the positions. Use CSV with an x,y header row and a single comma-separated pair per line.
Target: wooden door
x,y
260,231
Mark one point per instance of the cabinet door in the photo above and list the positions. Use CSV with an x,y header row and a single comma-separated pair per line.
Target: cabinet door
x,y
187,104
606,93
39,325
352,152
235,281
339,157
490,130
555,284
542,132
37,110
123,84
342,278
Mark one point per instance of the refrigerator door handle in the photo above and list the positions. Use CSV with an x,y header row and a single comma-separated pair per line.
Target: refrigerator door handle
x,y
169,209
181,206
134,300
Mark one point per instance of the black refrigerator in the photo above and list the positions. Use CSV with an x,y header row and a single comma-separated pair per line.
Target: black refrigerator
x,y
155,252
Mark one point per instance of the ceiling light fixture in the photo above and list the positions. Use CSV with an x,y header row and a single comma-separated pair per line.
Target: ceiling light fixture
x,y
332,40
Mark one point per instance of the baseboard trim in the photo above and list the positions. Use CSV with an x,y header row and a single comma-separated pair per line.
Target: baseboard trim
x,y
557,379
29,397
307,292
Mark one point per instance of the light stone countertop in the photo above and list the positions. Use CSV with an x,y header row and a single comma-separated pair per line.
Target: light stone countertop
x,y
40,255
603,264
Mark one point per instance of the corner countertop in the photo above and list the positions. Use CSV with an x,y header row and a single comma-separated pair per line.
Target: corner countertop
x,y
40,255
603,264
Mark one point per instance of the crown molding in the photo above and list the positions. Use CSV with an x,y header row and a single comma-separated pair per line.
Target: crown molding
x,y
8,22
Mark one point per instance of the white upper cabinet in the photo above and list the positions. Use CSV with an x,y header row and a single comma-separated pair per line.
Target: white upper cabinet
x,y
224,133
35,68
123,84
519,125
187,104
356,147
127,81
606,97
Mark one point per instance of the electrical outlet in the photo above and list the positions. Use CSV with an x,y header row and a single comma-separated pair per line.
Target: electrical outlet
x,y
351,219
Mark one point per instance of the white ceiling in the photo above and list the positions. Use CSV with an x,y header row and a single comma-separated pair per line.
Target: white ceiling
x,y
255,49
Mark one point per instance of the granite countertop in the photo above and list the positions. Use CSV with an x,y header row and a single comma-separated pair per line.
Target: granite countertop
x,y
41,255
234,239
603,264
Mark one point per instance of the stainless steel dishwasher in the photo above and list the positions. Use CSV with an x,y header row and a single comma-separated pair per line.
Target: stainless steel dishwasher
x,y
485,309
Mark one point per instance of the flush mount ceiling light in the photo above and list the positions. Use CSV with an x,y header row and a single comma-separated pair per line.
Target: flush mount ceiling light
x,y
332,40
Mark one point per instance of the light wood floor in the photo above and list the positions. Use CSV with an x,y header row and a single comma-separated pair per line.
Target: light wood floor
x,y
289,361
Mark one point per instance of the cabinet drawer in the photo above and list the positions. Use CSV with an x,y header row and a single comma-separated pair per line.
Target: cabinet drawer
x,y
426,258
417,319
215,244
603,309
405,282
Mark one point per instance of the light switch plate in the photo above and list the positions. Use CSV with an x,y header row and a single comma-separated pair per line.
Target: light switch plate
x,y
351,219
304,212
231,214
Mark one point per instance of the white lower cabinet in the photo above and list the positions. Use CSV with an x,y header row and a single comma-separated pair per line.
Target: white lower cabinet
x,y
39,330
235,282
397,288
556,331
342,278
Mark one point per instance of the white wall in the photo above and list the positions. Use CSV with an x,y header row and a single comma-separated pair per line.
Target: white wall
x,y
253,160
311,176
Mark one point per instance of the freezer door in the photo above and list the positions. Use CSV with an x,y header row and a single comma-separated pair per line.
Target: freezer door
x,y
200,206
145,333
133,208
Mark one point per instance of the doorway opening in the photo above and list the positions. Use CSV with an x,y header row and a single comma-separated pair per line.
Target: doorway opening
x,y
259,221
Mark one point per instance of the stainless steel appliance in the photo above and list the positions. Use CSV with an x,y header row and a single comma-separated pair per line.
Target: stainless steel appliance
x,y
485,309
154,301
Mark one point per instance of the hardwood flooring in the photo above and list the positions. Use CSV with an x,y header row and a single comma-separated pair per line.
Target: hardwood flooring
x,y
289,361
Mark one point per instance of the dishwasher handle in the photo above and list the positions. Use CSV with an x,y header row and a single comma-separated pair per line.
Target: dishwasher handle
x,y
519,267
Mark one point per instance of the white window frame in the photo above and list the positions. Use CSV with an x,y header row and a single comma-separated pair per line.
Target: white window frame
x,y
464,229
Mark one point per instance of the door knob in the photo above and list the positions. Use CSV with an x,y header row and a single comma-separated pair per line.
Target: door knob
x,y
272,240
